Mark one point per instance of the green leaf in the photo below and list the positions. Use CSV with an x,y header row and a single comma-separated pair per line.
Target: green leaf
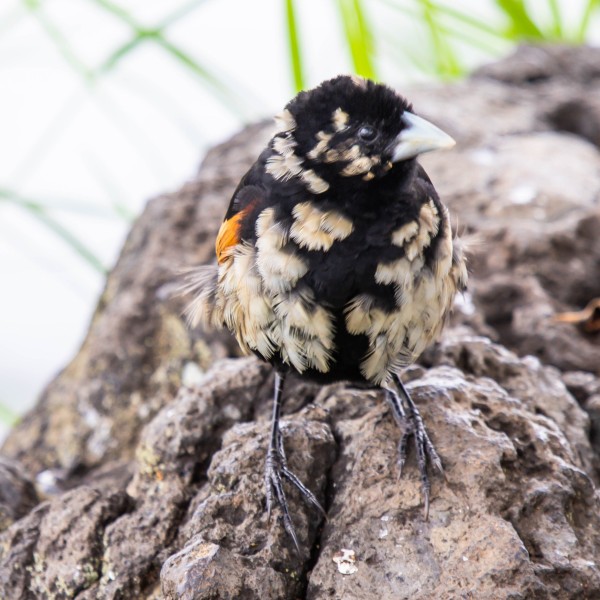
x,y
591,7
111,189
557,28
233,101
115,57
59,40
39,212
447,62
294,46
359,37
7,415
521,25
180,12
468,30
466,19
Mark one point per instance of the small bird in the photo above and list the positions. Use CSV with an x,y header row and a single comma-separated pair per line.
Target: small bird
x,y
336,260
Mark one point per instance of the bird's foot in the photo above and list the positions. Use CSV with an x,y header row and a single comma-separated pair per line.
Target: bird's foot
x,y
276,470
408,417
426,452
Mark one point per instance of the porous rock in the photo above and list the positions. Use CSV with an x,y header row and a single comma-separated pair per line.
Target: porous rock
x,y
17,493
502,521
147,451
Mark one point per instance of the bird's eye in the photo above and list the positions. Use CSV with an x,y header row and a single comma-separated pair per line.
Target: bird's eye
x,y
367,133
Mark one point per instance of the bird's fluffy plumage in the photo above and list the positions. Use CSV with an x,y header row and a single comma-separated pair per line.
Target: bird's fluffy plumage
x,y
333,260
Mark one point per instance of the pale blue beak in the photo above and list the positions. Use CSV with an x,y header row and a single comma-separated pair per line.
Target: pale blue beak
x,y
417,137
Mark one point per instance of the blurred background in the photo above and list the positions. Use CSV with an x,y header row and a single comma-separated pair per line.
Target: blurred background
x,y
104,104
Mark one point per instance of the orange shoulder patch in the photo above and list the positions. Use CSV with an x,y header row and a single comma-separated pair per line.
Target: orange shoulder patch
x,y
228,236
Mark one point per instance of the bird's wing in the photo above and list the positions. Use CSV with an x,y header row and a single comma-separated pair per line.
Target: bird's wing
x,y
202,282
247,197
228,236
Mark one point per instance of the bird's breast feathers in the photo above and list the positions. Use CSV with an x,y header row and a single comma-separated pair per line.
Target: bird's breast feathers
x,y
336,256
267,290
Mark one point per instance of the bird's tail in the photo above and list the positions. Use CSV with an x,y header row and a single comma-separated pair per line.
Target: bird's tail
x,y
201,284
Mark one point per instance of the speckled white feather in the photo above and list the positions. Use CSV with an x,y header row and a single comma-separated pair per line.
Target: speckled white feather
x,y
314,183
315,229
405,233
284,122
340,119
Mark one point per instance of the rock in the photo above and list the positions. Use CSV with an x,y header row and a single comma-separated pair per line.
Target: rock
x,y
502,520
203,570
55,551
105,543
138,345
585,387
227,530
140,474
528,196
545,63
17,493
515,495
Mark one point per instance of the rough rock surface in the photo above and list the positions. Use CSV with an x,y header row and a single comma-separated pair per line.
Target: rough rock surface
x,y
17,493
146,453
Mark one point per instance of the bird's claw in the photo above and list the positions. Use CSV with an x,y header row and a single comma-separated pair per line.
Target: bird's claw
x,y
408,416
276,470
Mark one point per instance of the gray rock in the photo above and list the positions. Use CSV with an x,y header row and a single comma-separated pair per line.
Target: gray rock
x,y
148,449
17,493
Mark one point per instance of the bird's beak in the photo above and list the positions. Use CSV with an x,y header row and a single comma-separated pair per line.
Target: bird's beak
x,y
417,137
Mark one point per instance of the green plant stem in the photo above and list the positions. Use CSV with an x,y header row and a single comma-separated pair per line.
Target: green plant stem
x,y
467,20
7,416
294,45
218,87
181,12
447,62
60,41
423,64
557,29
358,36
156,35
102,176
586,18
38,211
456,30
522,25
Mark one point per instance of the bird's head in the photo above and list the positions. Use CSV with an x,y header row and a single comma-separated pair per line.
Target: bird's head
x,y
348,127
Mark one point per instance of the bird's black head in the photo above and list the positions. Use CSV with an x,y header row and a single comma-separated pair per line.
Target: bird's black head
x,y
348,127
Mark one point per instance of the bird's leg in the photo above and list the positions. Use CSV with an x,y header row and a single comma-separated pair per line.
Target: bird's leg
x,y
400,417
276,468
408,417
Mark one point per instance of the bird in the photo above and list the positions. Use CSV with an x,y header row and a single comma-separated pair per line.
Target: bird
x,y
335,260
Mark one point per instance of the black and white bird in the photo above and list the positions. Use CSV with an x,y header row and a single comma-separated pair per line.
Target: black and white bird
x,y
336,260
